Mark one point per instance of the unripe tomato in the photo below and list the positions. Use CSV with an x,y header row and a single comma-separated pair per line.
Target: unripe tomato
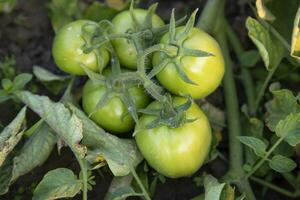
x,y
114,116
123,22
175,152
206,72
67,52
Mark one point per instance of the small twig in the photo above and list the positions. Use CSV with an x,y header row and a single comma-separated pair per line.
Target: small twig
x,y
276,188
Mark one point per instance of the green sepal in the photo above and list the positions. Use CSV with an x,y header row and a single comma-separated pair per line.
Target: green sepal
x,y
188,27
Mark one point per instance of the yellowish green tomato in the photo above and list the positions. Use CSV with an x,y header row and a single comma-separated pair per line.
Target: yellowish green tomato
x,y
206,72
113,116
67,50
175,152
123,22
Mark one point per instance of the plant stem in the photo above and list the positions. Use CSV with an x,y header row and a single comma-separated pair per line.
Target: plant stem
x,y
262,160
84,176
137,179
233,118
276,188
263,88
246,76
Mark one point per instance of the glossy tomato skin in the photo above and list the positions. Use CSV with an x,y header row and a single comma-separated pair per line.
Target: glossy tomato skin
x,y
67,52
114,116
206,72
125,49
175,152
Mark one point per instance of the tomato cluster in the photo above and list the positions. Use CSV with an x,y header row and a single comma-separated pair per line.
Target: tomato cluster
x,y
172,132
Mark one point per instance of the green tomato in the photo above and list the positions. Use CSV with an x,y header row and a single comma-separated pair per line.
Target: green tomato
x,y
68,54
206,72
123,22
114,116
175,152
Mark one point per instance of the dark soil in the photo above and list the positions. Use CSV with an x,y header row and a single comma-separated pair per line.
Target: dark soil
x,y
27,34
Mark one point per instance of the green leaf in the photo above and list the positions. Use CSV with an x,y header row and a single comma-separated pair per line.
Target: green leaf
x,y
263,12
62,12
11,135
98,11
283,103
282,164
3,96
56,184
257,145
285,12
250,58
46,76
35,151
269,47
295,47
5,176
215,190
20,81
122,155
283,148
289,129
120,189
64,123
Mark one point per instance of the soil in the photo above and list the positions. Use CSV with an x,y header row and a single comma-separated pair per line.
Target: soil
x,y
27,34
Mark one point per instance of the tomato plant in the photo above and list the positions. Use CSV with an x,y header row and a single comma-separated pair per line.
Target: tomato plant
x,y
67,49
175,152
124,23
204,73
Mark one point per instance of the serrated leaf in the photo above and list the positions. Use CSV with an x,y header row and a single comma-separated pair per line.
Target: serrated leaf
x,y
56,184
64,123
289,129
35,151
47,76
269,47
295,47
282,164
120,154
283,104
257,145
11,135
263,12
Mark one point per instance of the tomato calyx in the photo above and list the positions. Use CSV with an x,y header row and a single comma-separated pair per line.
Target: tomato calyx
x,y
169,115
177,39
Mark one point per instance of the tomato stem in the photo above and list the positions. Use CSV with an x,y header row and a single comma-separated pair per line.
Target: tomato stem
x,y
142,187
264,87
246,76
232,106
233,120
84,176
266,156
